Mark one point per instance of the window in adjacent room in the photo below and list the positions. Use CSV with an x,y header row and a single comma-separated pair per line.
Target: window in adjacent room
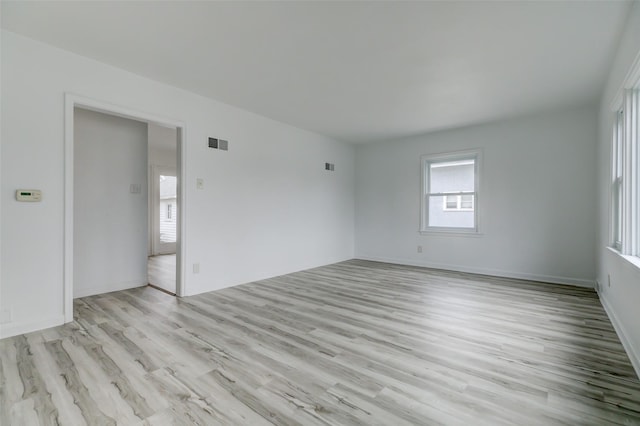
x,y
450,192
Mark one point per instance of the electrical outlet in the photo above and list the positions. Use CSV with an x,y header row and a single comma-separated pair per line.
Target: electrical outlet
x,y
196,268
419,249
199,183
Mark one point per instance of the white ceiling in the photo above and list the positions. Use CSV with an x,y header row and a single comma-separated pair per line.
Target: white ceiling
x,y
356,71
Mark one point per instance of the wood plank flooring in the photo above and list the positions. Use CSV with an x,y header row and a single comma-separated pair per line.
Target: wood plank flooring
x,y
161,272
351,343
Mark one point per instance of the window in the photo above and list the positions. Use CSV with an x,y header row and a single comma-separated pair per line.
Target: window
x,y
168,208
450,192
616,189
625,176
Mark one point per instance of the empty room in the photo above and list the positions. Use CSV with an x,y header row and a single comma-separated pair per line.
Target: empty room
x,y
320,213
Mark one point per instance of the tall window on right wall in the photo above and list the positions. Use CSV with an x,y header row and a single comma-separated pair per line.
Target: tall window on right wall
x,y
616,185
450,192
625,176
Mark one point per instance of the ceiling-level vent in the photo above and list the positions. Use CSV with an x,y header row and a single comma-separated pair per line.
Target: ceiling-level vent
x,y
221,144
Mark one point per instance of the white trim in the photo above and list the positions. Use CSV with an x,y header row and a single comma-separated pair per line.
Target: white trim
x,y
632,352
67,251
110,287
631,80
452,232
579,282
453,164
71,101
16,328
628,182
181,246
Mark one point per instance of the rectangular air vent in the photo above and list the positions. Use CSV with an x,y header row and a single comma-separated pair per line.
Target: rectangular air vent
x,y
221,144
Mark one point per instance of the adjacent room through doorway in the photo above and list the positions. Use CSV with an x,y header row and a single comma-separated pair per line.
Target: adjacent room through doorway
x,y
126,180
163,207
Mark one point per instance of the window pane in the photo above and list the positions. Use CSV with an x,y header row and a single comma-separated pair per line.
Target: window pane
x,y
440,217
450,191
452,202
466,201
618,213
618,146
452,176
168,208
616,188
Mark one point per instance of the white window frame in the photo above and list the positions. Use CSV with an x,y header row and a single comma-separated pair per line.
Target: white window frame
x,y
625,183
425,196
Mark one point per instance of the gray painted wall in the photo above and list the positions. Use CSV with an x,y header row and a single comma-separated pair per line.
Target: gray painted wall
x,y
537,199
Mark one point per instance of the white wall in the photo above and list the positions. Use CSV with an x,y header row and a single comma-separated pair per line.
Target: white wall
x,y
110,222
622,298
268,206
536,199
162,145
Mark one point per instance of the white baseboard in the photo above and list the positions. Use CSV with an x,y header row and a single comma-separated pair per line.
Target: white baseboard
x,y
632,352
580,282
14,329
108,288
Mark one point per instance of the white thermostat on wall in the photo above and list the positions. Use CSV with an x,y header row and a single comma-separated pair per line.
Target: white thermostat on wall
x,y
29,195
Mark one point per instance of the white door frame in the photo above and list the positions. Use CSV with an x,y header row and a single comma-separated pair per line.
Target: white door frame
x,y
70,102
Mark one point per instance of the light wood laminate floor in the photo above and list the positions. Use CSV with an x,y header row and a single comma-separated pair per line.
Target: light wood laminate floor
x,y
161,272
352,343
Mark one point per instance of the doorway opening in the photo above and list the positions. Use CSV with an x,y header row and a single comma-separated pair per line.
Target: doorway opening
x,y
163,208
109,236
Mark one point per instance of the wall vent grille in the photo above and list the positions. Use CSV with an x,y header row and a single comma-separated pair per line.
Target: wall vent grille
x,y
220,144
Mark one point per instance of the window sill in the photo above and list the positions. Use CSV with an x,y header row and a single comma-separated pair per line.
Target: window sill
x,y
450,233
634,260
